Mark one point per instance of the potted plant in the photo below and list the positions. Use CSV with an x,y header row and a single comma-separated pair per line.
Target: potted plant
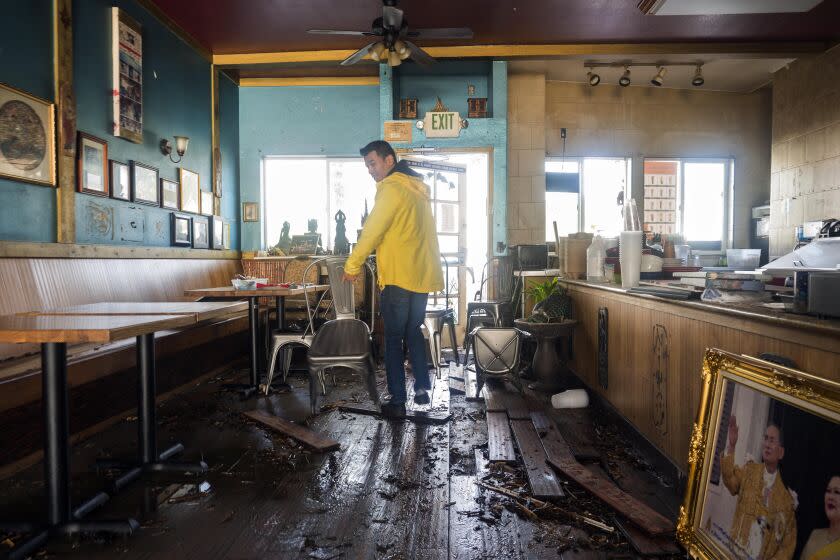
x,y
552,303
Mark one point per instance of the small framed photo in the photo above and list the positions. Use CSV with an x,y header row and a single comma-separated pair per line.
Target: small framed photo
x,y
217,240
763,478
144,184
250,212
181,226
169,194
206,203
27,132
201,232
120,180
190,191
226,235
91,165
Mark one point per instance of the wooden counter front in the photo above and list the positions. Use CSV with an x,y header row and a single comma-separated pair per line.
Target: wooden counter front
x,y
655,353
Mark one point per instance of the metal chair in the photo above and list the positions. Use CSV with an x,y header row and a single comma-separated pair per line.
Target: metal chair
x,y
498,311
437,317
497,351
342,342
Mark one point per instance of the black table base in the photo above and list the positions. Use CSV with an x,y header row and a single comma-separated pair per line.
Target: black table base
x,y
61,519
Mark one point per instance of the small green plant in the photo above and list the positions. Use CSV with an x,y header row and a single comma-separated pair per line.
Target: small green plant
x,y
540,292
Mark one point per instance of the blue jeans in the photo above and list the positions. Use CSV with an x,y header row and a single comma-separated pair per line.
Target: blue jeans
x,y
402,314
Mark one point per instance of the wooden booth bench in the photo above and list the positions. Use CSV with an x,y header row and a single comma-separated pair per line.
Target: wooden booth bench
x,y
102,378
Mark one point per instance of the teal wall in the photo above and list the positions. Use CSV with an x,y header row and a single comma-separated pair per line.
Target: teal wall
x,y
176,100
229,144
449,80
299,121
27,211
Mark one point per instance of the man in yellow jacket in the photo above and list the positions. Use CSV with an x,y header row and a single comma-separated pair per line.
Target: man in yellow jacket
x,y
401,229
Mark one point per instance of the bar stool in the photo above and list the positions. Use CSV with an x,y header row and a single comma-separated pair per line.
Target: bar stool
x,y
438,317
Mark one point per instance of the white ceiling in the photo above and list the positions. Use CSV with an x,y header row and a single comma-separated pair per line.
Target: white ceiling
x,y
733,75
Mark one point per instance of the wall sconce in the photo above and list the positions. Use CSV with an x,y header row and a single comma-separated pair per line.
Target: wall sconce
x,y
181,143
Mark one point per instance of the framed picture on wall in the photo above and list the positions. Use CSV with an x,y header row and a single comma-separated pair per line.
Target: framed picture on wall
x,y
91,165
763,477
206,202
120,180
250,212
127,72
27,135
181,229
169,194
217,240
201,232
190,192
144,184
226,235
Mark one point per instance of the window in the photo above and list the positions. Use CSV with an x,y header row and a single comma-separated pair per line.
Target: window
x,y
299,189
689,197
582,194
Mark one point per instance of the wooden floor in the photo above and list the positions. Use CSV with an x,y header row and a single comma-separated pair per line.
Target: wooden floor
x,y
395,490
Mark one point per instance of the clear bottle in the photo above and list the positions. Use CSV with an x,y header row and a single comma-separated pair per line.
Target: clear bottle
x,y
595,256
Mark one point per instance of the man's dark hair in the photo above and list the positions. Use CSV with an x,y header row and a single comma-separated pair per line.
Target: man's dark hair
x,y
381,147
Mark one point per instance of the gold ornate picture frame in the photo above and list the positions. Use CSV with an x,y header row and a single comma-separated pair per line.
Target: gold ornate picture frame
x,y
27,137
764,462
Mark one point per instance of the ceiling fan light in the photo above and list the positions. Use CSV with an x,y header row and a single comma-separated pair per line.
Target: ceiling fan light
x,y
405,54
377,51
400,46
698,80
659,78
394,59
593,78
624,80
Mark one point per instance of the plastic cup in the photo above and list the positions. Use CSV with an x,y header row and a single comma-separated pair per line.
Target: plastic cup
x,y
573,398
630,257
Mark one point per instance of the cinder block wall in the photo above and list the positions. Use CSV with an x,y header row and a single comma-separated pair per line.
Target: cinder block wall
x,y
526,159
805,163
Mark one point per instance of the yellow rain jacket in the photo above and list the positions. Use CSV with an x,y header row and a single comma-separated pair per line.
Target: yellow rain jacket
x,y
401,229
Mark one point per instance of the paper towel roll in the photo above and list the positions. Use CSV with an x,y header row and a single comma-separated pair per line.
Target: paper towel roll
x,y
630,258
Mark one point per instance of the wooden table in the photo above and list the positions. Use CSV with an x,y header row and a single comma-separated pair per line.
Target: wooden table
x,y
148,458
252,296
54,332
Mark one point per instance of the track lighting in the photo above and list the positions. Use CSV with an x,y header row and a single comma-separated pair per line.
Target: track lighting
x,y
624,80
659,78
698,80
594,79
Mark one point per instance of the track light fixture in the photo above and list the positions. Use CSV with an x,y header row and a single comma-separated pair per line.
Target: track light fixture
x,y
624,80
659,78
594,79
698,80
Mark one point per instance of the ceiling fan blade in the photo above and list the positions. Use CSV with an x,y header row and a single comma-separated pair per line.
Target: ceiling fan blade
x,y
419,55
392,17
441,33
338,32
357,56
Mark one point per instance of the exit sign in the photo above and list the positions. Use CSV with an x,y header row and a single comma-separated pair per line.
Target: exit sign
x,y
442,124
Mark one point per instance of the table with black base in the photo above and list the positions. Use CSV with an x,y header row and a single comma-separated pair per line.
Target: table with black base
x,y
54,332
252,387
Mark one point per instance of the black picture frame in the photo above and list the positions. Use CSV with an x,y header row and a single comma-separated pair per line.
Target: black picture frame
x,y
120,179
217,237
200,232
170,194
181,230
145,188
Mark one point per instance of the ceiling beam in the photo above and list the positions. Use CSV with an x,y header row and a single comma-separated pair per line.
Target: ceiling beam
x,y
721,50
310,81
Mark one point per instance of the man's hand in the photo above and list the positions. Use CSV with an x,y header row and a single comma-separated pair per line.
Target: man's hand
x,y
733,435
350,277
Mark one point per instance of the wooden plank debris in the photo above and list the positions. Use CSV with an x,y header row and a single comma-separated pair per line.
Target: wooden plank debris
x,y
560,457
470,386
493,401
517,408
645,544
304,435
499,439
419,417
456,386
543,481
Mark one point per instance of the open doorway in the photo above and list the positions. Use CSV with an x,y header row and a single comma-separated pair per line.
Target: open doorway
x,y
459,181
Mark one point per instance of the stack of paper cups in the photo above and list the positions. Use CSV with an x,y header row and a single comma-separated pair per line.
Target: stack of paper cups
x,y
630,257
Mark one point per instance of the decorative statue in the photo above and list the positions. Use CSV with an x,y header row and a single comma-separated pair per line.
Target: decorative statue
x,y
285,241
342,245
312,225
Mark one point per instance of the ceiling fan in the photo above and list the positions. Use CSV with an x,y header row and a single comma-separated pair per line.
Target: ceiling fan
x,y
394,45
